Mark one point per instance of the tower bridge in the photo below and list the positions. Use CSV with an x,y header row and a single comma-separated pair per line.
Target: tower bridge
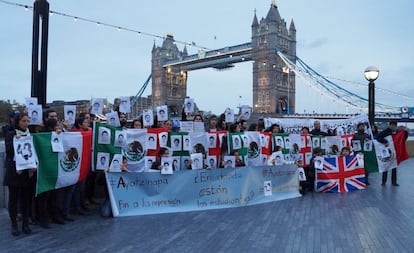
x,y
273,90
272,51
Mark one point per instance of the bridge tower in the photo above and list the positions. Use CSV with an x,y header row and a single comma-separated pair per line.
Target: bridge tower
x,y
273,84
169,85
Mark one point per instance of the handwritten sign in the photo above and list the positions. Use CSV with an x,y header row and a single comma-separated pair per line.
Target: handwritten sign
x,y
192,190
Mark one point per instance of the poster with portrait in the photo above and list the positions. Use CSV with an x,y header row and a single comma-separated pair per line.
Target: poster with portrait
x,y
30,101
318,162
211,161
211,140
278,140
102,161
246,112
167,165
69,112
368,145
356,145
264,140
229,161
267,188
301,174
188,105
287,142
149,160
35,113
229,115
295,140
116,163
151,141
263,159
176,142
316,142
56,142
112,119
148,118
24,153
308,157
197,161
360,157
97,105
176,162
162,113
277,158
125,105
221,137
120,138
185,163
104,136
187,146
163,139
237,143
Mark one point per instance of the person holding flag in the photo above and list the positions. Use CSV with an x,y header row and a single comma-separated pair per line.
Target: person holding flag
x,y
399,136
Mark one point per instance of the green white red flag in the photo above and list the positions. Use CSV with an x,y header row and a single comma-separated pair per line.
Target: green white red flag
x,y
60,169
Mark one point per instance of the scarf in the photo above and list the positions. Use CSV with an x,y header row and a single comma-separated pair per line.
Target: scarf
x,y
23,133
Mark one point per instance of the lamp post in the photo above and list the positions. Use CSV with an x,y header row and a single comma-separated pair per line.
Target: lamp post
x,y
286,70
39,50
371,74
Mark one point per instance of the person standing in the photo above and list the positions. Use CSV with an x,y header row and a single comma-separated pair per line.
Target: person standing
x,y
399,136
19,182
361,136
317,129
76,191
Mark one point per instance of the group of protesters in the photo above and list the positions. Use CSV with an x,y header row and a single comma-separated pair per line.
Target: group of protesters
x,y
57,206
54,206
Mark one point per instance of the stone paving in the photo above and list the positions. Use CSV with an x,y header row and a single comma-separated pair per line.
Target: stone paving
x,y
378,219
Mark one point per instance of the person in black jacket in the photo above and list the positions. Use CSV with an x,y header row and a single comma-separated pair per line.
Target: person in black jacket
x,y
361,136
20,183
317,129
391,130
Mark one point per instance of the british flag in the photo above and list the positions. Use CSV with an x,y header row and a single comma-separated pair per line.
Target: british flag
x,y
340,174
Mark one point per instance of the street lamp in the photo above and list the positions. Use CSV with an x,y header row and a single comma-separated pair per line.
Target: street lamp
x,y
371,74
286,70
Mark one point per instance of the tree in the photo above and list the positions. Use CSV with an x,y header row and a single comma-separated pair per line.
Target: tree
x,y
5,108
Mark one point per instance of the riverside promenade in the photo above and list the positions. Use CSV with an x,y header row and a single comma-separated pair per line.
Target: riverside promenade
x,y
378,219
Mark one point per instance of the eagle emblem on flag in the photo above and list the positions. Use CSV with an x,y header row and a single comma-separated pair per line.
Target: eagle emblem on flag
x,y
340,174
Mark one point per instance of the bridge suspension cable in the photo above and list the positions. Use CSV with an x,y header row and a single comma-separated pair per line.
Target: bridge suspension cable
x,y
366,85
323,85
135,99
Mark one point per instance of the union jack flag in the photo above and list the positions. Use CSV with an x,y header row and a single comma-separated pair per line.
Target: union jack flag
x,y
340,174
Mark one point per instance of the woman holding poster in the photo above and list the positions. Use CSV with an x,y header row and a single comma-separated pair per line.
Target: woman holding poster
x,y
19,182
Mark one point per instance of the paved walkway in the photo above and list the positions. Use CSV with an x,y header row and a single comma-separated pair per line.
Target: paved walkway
x,y
378,219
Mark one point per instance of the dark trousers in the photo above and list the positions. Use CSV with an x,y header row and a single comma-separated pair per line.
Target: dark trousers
x,y
90,185
25,194
393,176
50,204
366,176
309,184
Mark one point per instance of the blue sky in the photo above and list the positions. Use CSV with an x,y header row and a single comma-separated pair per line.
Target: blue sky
x,y
337,38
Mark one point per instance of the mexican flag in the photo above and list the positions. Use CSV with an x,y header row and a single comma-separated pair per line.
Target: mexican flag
x,y
60,169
